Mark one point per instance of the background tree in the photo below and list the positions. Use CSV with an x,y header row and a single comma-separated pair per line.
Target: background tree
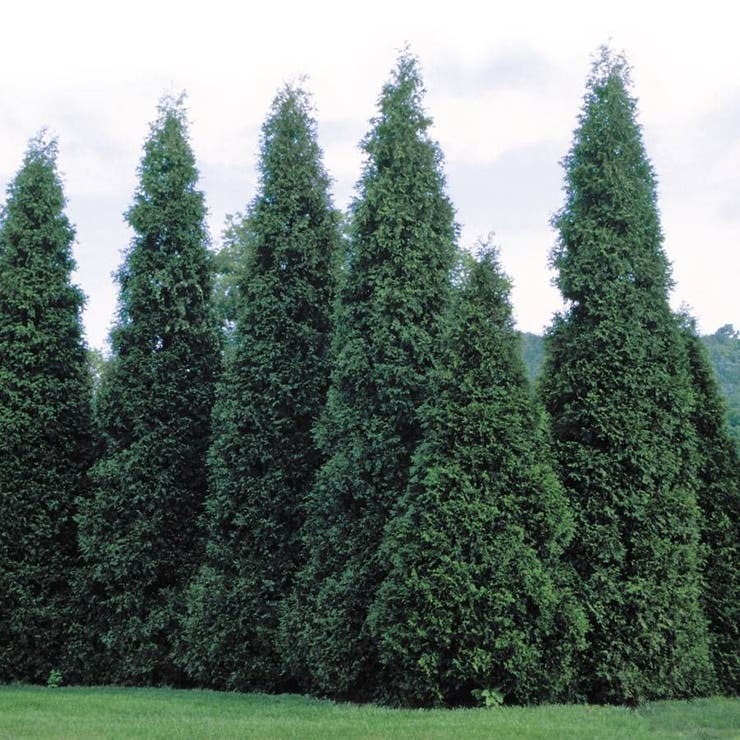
x,y
45,418
724,351
228,267
620,399
477,596
263,457
533,352
402,246
719,499
138,533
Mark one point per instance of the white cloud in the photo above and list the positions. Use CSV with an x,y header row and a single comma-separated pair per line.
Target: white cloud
x,y
502,80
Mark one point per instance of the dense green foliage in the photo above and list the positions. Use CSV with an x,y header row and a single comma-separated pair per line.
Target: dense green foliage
x,y
724,352
477,595
35,712
263,457
45,418
617,387
396,282
368,502
719,499
138,533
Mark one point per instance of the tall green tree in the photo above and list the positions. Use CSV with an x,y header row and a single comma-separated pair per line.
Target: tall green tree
x,y
45,418
139,533
619,395
263,457
396,283
719,499
477,597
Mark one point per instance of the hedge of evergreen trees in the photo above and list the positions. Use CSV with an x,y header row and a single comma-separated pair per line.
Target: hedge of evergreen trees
x,y
316,463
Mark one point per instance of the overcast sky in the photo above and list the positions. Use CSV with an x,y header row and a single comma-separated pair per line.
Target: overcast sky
x,y
504,87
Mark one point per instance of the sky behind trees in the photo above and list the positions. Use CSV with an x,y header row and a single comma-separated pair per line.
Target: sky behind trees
x,y
504,89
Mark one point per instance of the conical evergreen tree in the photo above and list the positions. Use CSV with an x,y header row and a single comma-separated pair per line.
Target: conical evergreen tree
x,y
719,500
45,418
477,597
138,533
263,457
619,396
396,284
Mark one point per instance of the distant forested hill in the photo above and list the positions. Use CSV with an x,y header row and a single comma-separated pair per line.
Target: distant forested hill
x,y
533,351
724,351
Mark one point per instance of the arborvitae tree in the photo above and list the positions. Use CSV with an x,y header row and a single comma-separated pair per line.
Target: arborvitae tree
x,y
719,500
396,282
138,533
617,388
263,457
45,418
477,597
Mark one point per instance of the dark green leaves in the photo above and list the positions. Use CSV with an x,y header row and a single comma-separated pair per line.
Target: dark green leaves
x,y
477,597
263,457
396,283
616,386
45,418
139,533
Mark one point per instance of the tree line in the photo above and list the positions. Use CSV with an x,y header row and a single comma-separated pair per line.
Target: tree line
x,y
314,462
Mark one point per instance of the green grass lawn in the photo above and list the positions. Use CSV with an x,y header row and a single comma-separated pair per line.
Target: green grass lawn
x,y
39,712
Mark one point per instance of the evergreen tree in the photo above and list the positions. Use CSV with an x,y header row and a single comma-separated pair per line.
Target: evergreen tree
x,y
719,499
616,386
45,418
263,457
477,597
138,533
396,282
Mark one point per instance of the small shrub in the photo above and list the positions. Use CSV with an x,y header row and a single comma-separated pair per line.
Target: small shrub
x,y
488,698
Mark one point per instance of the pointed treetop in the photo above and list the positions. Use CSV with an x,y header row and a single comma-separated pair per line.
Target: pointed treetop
x,y
610,234
42,150
171,109
33,214
608,65
291,119
492,284
42,146
293,93
400,99
168,164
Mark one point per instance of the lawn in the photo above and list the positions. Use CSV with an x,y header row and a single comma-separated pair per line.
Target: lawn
x,y
39,712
